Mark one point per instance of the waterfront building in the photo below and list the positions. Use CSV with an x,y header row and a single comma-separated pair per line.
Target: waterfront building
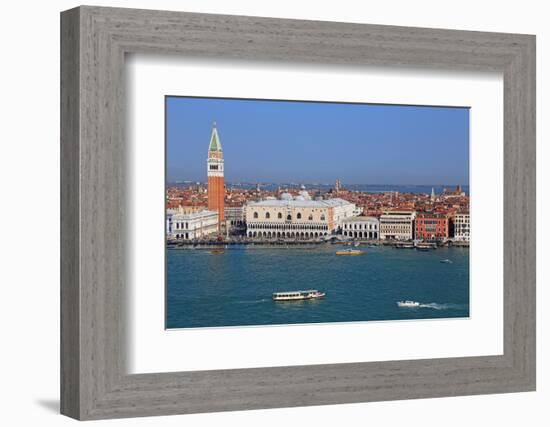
x,y
234,216
189,226
363,227
397,224
215,172
462,226
431,226
296,218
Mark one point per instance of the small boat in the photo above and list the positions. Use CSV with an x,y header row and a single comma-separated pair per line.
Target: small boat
x,y
425,246
404,245
349,252
217,251
446,261
298,295
408,303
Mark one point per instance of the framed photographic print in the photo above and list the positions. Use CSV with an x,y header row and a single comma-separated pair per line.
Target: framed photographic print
x,y
261,213
276,220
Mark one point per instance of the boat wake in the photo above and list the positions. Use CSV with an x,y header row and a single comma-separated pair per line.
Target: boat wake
x,y
448,306
253,301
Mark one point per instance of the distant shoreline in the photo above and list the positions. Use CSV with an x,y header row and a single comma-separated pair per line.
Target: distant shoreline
x,y
364,188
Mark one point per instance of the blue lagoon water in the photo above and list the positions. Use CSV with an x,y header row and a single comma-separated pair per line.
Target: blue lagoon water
x,y
234,288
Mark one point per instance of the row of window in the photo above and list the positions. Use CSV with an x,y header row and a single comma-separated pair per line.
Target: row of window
x,y
288,217
360,226
189,235
182,236
288,226
366,234
287,234
428,221
185,225
386,221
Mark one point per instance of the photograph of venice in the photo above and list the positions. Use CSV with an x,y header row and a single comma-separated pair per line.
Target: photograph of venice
x,y
297,212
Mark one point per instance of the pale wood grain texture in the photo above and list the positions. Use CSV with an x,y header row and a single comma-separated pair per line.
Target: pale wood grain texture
x,y
70,314
94,382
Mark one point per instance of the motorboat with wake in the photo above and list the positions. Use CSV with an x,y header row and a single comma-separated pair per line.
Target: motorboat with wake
x,y
408,303
298,295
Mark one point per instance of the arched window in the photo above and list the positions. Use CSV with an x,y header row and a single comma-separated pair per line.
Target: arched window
x,y
310,217
255,215
322,217
280,215
299,216
289,217
267,216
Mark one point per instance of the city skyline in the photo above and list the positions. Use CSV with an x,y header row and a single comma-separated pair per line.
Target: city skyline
x,y
314,143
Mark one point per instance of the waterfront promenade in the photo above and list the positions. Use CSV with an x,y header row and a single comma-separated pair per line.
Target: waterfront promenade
x,y
331,240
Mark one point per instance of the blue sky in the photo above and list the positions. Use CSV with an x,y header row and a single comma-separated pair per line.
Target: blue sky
x,y
305,142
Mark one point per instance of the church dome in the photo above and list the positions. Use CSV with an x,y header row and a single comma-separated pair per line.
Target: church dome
x,y
286,196
305,195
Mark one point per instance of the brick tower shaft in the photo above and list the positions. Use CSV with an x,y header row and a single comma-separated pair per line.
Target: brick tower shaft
x,y
215,172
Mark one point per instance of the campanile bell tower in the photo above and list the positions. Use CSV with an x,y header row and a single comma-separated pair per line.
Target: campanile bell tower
x,y
216,184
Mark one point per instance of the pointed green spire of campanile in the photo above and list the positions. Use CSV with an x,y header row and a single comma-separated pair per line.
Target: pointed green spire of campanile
x,y
215,144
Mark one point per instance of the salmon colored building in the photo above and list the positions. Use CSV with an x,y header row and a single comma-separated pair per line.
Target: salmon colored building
x,y
430,226
216,184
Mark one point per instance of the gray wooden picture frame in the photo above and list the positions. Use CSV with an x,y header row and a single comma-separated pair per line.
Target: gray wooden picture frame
x,y
94,381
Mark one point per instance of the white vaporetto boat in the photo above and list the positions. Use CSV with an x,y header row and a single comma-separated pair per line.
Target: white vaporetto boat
x,y
408,303
298,295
